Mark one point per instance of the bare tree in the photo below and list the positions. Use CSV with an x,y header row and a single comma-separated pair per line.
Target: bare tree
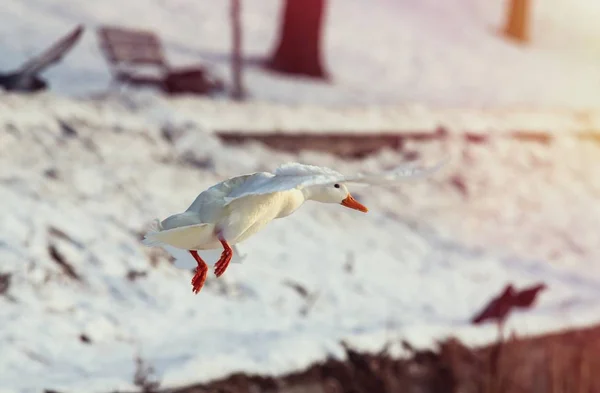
x,y
517,23
299,49
238,92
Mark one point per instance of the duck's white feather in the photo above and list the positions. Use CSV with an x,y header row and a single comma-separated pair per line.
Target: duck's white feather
x,y
400,173
297,169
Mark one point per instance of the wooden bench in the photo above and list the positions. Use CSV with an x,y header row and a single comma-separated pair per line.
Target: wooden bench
x,y
127,51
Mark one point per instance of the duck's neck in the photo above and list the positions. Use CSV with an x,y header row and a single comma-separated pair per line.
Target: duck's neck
x,y
292,200
309,194
313,194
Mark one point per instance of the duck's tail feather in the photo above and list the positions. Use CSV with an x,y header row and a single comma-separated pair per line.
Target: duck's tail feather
x,y
149,238
187,237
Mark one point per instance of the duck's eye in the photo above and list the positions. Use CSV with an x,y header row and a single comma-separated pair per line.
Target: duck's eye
x,y
336,185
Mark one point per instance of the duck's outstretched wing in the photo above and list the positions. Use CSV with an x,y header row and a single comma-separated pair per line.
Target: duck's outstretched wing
x,y
286,177
400,173
297,176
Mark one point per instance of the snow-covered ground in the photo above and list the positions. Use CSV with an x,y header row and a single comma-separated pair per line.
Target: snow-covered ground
x,y
448,53
83,179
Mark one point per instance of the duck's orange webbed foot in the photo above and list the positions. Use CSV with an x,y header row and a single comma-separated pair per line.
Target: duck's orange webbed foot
x,y
223,262
201,272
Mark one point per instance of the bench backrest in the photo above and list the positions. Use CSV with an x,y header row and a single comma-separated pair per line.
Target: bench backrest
x,y
131,47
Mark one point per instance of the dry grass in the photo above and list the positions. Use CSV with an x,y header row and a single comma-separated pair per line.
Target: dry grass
x,y
567,362
559,363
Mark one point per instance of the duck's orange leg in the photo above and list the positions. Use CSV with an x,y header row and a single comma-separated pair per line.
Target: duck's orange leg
x,y
201,272
223,262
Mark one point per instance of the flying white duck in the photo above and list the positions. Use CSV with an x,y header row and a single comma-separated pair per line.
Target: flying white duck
x,y
237,208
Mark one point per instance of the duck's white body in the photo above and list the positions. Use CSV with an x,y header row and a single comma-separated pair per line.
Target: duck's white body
x,y
235,209
210,217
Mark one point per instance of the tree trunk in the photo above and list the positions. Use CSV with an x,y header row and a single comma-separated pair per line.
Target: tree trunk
x,y
237,92
299,49
517,24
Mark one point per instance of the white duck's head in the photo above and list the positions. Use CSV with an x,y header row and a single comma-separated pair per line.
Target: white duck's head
x,y
334,193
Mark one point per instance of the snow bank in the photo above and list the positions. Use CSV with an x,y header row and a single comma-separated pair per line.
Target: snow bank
x,y
80,181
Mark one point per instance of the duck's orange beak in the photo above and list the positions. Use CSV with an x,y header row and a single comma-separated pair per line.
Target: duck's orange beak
x,y
352,203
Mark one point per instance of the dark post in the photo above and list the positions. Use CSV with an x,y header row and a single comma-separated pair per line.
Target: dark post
x,y
299,49
237,92
517,24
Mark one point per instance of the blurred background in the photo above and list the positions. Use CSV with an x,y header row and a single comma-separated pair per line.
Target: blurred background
x,y
482,278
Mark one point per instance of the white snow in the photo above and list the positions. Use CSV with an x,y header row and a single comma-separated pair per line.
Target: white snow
x,y
428,52
84,173
417,266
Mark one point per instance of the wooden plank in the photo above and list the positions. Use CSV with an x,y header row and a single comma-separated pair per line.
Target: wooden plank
x,y
343,145
358,145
